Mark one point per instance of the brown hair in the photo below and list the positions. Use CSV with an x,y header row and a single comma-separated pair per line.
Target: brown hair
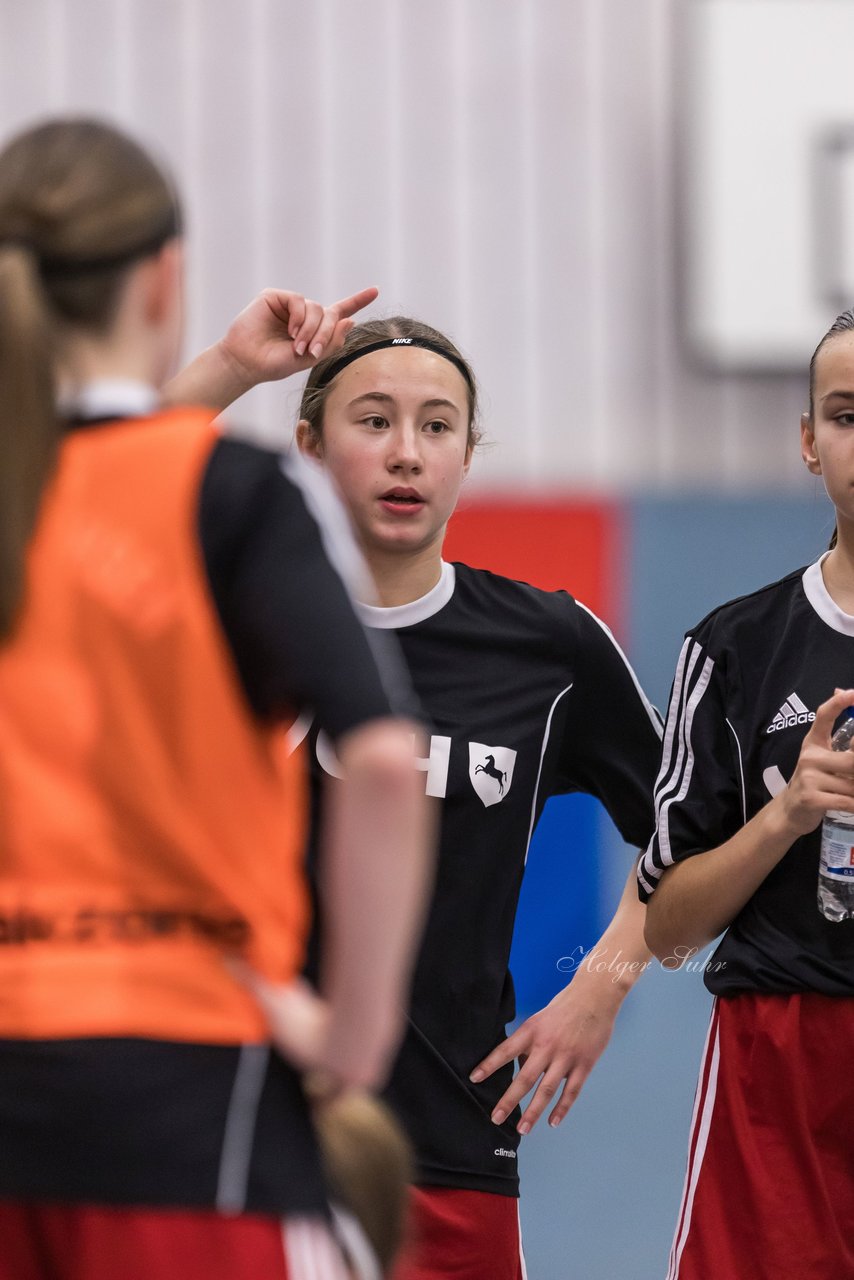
x,y
79,203
368,1162
843,323
363,335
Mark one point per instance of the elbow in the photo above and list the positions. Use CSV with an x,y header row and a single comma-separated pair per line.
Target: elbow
x,y
674,936
382,753
379,763
665,927
655,932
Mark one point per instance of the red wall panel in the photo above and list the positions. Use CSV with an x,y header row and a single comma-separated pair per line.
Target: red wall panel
x,y
577,545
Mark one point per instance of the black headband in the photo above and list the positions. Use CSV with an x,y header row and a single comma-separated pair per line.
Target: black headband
x,y
61,265
347,357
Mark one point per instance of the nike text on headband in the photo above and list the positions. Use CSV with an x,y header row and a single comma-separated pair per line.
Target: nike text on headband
x,y
333,369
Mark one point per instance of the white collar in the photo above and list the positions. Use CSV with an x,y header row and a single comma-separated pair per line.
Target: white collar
x,y
109,398
406,615
822,601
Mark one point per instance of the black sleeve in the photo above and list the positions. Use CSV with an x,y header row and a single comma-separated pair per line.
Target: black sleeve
x,y
699,795
289,622
612,743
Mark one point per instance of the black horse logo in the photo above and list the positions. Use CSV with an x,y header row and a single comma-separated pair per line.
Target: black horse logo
x,y
490,769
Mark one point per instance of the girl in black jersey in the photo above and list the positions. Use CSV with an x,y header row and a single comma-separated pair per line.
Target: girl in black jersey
x,y
166,609
747,776
521,687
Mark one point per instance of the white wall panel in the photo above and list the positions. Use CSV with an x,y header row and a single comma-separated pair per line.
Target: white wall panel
x,y
767,176
559,325
509,172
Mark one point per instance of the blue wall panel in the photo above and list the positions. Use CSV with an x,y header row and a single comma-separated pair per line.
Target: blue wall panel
x,y
687,555
560,910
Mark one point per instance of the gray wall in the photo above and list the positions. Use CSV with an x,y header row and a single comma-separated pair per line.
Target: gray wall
x,y
506,169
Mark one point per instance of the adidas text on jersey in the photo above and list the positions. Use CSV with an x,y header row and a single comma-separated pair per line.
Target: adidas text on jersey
x,y
792,712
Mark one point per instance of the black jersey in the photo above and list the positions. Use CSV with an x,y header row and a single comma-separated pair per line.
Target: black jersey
x,y
747,686
529,696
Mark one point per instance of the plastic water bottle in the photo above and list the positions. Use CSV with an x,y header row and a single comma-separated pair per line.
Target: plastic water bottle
x,y
836,864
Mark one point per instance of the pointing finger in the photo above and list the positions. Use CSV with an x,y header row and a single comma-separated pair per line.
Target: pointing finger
x,y
356,301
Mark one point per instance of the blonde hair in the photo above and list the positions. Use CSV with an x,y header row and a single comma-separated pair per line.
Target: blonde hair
x,y
79,203
369,1167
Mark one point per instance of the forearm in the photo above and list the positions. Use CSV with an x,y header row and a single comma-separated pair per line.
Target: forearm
x,y
614,963
698,898
623,940
378,862
214,378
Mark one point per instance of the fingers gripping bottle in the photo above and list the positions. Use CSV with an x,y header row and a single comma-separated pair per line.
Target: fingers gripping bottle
x,y
836,864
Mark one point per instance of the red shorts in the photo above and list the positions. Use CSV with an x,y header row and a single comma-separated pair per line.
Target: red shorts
x,y
85,1242
769,1192
467,1235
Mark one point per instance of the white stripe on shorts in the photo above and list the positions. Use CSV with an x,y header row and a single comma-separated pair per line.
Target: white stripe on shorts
x,y
310,1251
701,1122
521,1251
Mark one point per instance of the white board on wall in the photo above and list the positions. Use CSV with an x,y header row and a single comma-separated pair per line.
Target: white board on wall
x,y
767,177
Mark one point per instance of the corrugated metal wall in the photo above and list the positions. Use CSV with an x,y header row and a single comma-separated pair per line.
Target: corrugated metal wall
x,y
505,169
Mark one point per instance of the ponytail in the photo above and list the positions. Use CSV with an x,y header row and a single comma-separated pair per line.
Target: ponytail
x,y
28,423
80,202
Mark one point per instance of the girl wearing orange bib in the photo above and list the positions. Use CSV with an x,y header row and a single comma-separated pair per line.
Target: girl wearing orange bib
x,y
152,809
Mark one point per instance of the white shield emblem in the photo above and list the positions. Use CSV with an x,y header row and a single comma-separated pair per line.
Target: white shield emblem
x,y
491,771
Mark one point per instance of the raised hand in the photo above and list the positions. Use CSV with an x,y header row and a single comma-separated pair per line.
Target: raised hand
x,y
281,333
278,334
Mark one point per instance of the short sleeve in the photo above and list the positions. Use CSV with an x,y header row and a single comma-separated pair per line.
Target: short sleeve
x,y
287,617
612,737
699,793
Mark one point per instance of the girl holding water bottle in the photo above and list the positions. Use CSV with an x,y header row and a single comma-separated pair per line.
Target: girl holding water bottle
x,y
751,765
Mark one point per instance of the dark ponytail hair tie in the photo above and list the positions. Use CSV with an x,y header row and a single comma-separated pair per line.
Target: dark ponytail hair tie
x,y
63,265
17,242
